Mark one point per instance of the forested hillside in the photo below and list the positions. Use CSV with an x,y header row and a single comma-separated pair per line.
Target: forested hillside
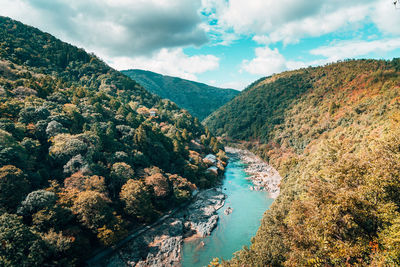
x,y
198,98
333,133
86,154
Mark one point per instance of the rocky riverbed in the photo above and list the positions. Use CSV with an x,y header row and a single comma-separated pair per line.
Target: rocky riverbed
x,y
161,245
262,175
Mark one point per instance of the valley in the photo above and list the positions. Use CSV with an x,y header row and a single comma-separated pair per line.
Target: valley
x,y
100,167
236,227
203,229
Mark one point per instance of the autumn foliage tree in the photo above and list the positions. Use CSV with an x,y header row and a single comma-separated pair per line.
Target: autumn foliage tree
x,y
137,200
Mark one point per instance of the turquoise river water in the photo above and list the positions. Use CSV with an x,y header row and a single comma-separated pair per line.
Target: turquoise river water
x,y
234,230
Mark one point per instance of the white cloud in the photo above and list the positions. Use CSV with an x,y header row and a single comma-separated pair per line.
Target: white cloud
x,y
238,85
386,17
269,61
261,39
294,65
147,34
150,34
114,27
352,49
319,24
291,20
266,62
173,62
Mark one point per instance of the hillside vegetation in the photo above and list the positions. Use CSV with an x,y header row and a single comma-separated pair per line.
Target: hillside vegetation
x,y
333,133
86,154
198,98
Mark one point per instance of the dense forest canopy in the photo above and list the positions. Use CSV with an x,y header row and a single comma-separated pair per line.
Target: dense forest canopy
x,y
198,98
333,132
86,154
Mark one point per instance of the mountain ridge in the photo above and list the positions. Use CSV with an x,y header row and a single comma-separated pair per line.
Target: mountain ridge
x,y
198,98
332,132
86,153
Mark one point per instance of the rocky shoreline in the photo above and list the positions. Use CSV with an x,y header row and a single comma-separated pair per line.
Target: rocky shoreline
x,y
263,176
162,244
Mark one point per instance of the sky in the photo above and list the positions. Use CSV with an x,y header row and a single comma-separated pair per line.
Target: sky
x,y
225,43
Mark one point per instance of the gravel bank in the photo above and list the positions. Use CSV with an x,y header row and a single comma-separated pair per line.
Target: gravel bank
x,y
262,175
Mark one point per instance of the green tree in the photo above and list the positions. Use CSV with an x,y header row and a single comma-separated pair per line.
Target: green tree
x,y
140,137
19,245
11,152
13,187
36,201
59,248
120,174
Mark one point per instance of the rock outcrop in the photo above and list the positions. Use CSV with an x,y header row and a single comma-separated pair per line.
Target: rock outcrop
x,y
161,245
200,216
228,211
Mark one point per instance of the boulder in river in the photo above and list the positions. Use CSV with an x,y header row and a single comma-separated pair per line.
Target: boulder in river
x,y
228,210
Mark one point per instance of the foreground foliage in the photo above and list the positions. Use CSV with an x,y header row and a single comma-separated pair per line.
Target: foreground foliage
x,y
82,160
333,133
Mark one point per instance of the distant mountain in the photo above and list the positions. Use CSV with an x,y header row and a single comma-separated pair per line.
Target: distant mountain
x,y
198,98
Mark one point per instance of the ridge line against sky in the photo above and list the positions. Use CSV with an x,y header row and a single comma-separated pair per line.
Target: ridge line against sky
x,y
219,42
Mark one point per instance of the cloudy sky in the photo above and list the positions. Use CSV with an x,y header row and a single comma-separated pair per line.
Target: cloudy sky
x,y
227,43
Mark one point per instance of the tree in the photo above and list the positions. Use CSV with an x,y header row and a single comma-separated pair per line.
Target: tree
x,y
11,152
19,245
185,135
53,217
54,128
140,137
182,188
137,200
93,209
59,246
75,164
161,189
33,146
120,173
80,182
65,146
13,187
36,201
32,114
160,184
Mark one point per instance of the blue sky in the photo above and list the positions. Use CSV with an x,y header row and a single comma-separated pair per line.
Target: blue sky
x,y
226,43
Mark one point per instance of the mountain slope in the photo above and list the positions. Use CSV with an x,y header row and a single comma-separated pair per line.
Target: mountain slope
x,y
198,98
333,133
86,153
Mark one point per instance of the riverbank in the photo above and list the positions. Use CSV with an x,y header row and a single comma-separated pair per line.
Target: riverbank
x,y
238,222
162,244
263,176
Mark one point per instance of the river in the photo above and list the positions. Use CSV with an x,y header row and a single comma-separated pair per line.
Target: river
x,y
234,230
